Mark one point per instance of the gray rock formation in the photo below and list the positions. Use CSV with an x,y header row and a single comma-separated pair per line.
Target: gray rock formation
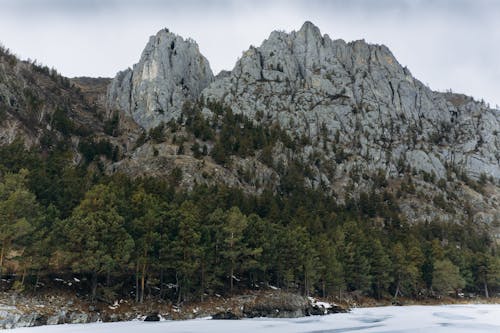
x,y
13,317
358,97
357,113
170,72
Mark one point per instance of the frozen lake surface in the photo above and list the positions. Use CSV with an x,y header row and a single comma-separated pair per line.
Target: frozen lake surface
x,y
389,319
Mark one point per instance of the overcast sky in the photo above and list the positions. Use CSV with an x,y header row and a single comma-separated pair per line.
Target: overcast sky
x,y
446,44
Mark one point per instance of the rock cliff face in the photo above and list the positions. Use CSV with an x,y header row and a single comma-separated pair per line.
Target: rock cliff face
x,y
357,116
357,113
357,96
170,72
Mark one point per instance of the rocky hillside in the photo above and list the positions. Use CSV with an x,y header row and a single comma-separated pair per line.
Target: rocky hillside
x,y
358,96
48,111
346,118
37,310
315,165
351,114
36,103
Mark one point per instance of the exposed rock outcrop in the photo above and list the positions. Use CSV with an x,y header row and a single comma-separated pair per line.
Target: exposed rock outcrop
x,y
162,159
11,317
354,112
27,311
287,305
152,317
357,112
170,72
358,96
280,305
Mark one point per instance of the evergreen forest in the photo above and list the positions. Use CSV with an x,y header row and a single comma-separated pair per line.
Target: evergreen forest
x,y
151,239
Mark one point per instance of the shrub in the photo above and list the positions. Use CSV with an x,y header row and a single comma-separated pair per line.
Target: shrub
x,y
156,133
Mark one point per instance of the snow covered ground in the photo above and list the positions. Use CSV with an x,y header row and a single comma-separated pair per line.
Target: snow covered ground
x,y
390,319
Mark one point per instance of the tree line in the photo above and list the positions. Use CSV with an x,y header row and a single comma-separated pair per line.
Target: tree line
x,y
151,239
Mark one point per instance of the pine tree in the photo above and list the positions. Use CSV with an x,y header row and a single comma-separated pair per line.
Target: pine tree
x,y
308,259
405,271
331,272
416,260
354,258
493,274
357,268
19,211
231,250
380,267
218,153
40,244
210,269
488,271
260,234
186,249
97,241
213,269
446,277
145,232
233,247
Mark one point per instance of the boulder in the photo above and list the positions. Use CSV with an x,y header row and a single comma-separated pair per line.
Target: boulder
x,y
227,315
152,317
58,318
277,305
78,318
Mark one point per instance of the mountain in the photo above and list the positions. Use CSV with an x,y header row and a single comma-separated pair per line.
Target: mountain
x,y
325,88
48,111
352,115
300,109
314,165
37,102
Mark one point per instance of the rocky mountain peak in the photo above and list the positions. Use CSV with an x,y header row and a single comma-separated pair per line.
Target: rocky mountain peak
x,y
353,101
309,35
171,71
309,28
357,96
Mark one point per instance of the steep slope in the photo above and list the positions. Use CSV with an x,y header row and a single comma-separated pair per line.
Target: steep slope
x,y
93,89
333,170
170,72
36,103
353,119
50,112
346,118
358,96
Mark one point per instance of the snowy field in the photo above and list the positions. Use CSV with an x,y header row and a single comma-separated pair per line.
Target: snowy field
x,y
449,318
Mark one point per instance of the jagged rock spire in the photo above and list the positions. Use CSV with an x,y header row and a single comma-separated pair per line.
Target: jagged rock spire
x,y
170,72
